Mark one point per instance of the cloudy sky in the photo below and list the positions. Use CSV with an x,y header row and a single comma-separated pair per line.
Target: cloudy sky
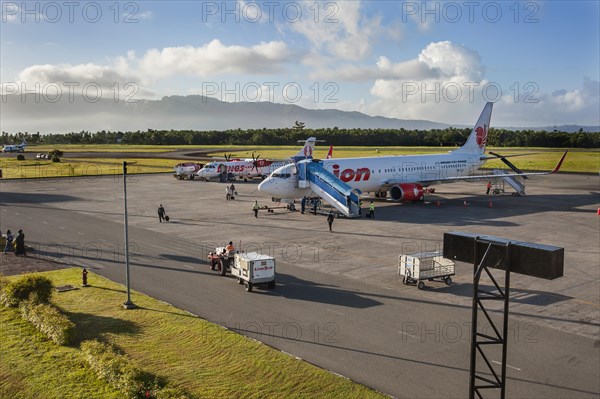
x,y
431,60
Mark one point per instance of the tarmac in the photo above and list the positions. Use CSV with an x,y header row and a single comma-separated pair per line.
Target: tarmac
x,y
340,302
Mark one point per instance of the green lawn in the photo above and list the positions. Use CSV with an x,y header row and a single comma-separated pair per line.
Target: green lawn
x,y
33,168
202,358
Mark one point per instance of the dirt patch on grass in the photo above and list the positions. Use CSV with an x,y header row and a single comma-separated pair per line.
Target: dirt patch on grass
x,y
11,265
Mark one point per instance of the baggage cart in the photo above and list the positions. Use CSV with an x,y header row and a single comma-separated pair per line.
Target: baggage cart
x,y
251,268
425,266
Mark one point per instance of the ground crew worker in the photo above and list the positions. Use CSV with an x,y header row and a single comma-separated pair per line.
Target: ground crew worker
x,y
303,205
489,187
330,218
255,208
372,210
230,247
227,193
161,213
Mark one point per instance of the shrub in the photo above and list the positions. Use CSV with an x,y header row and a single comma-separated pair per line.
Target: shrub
x,y
48,320
117,370
113,367
20,157
55,158
17,291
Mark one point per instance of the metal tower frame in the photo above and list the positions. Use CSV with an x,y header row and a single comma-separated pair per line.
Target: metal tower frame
x,y
479,340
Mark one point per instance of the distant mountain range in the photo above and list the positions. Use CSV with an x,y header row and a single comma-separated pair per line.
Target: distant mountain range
x,y
191,113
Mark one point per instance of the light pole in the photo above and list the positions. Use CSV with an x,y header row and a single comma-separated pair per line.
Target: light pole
x,y
128,304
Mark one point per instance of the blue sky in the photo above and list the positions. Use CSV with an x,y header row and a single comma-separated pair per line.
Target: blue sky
x,y
412,60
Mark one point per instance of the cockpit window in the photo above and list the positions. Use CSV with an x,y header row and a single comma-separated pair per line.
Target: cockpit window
x,y
282,175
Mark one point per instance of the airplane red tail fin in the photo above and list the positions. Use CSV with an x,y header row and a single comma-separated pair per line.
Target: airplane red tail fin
x,y
330,153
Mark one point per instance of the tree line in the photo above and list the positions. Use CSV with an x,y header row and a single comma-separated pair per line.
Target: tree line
x,y
333,136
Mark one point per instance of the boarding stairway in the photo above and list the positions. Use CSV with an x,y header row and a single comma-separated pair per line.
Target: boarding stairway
x,y
512,181
331,189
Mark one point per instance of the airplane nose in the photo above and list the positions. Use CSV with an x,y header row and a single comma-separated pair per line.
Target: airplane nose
x,y
265,185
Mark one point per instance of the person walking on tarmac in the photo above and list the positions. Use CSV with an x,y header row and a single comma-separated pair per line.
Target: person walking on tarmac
x,y
372,210
227,193
330,218
20,243
303,205
255,208
489,187
161,213
9,242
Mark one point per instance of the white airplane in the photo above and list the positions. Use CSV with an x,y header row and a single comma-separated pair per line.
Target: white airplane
x,y
15,147
403,177
253,167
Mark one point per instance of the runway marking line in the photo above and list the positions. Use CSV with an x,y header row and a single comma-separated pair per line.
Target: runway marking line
x,y
407,334
508,365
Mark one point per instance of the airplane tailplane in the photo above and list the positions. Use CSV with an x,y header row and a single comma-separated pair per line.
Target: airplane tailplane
x,y
307,150
478,137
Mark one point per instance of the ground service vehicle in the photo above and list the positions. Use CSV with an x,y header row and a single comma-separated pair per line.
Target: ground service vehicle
x,y
249,268
221,260
252,268
425,266
187,170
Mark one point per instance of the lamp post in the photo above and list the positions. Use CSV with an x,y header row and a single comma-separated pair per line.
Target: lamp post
x,y
128,304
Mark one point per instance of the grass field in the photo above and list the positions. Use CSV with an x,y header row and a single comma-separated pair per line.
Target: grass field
x,y
33,168
202,358
578,160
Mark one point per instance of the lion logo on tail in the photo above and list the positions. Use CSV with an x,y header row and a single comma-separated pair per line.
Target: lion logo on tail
x,y
481,135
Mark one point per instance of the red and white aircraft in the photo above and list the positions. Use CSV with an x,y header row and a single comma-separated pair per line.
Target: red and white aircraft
x,y
253,167
403,177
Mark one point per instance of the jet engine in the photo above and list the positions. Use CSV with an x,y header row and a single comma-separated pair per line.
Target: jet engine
x,y
407,192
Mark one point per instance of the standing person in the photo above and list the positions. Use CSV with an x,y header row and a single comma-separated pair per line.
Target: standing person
x,y
227,194
9,242
315,204
303,205
372,210
330,218
232,191
489,187
255,208
161,213
20,240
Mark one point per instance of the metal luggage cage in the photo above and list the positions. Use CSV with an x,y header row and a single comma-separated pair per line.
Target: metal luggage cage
x,y
425,266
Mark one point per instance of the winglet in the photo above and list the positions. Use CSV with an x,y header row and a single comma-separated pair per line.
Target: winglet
x,y
558,165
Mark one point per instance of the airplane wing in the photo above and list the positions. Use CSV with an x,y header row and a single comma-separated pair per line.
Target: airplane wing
x,y
427,181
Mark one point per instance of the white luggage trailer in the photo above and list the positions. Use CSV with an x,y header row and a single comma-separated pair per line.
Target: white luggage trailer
x,y
425,266
251,268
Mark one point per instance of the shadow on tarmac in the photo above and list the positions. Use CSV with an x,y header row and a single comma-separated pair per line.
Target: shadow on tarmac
x,y
292,287
517,295
19,198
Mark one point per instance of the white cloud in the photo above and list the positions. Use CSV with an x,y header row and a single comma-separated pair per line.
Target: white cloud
x,y
212,59
144,15
535,107
339,28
